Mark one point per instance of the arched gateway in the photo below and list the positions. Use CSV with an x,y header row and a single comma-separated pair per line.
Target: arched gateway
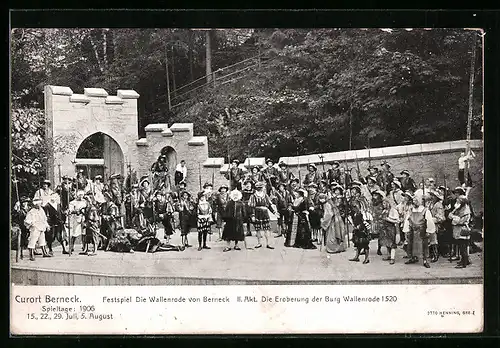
x,y
99,154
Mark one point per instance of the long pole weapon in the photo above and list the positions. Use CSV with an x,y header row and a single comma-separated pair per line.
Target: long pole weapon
x,y
450,245
229,167
469,116
199,174
298,165
59,170
323,165
369,153
18,237
423,176
357,166
346,213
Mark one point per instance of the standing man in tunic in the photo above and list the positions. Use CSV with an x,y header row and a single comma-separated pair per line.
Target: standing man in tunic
x,y
160,173
333,174
386,177
463,164
36,223
284,174
77,210
270,176
418,226
50,204
180,173
234,175
66,194
407,182
312,176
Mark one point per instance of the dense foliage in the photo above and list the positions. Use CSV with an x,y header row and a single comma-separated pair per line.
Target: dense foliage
x,y
319,90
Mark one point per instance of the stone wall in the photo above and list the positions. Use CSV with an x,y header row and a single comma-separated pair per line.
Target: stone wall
x,y
435,160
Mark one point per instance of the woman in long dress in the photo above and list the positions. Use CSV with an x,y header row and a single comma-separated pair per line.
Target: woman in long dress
x,y
233,215
333,227
300,207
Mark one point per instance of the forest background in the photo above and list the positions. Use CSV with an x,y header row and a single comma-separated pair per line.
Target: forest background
x,y
255,92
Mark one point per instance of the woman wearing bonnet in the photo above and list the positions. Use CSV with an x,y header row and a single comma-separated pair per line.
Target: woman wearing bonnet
x,y
234,215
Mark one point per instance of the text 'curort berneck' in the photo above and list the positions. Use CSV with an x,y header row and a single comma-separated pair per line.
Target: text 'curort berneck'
x,y
47,299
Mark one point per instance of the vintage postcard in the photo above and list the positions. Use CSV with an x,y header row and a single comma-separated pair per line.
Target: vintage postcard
x,y
246,181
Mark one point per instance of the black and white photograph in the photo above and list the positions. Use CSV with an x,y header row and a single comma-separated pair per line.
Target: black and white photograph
x,y
265,156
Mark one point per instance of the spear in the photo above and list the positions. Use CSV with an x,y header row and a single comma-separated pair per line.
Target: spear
x,y
130,192
369,156
92,184
345,200
423,176
213,176
229,167
69,220
18,237
298,165
59,169
323,165
199,174
357,165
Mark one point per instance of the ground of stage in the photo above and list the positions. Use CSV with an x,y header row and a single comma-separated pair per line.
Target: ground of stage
x,y
259,266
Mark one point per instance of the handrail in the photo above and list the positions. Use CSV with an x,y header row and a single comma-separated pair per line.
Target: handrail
x,y
211,82
179,96
238,71
221,69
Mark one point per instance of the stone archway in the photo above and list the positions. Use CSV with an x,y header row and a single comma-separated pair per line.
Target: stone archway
x,y
100,154
171,154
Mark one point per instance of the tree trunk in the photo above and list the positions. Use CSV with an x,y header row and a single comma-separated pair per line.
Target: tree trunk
x,y
190,55
94,47
168,82
105,47
114,43
173,71
208,60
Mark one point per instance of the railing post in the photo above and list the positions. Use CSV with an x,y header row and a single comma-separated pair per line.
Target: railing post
x,y
213,77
